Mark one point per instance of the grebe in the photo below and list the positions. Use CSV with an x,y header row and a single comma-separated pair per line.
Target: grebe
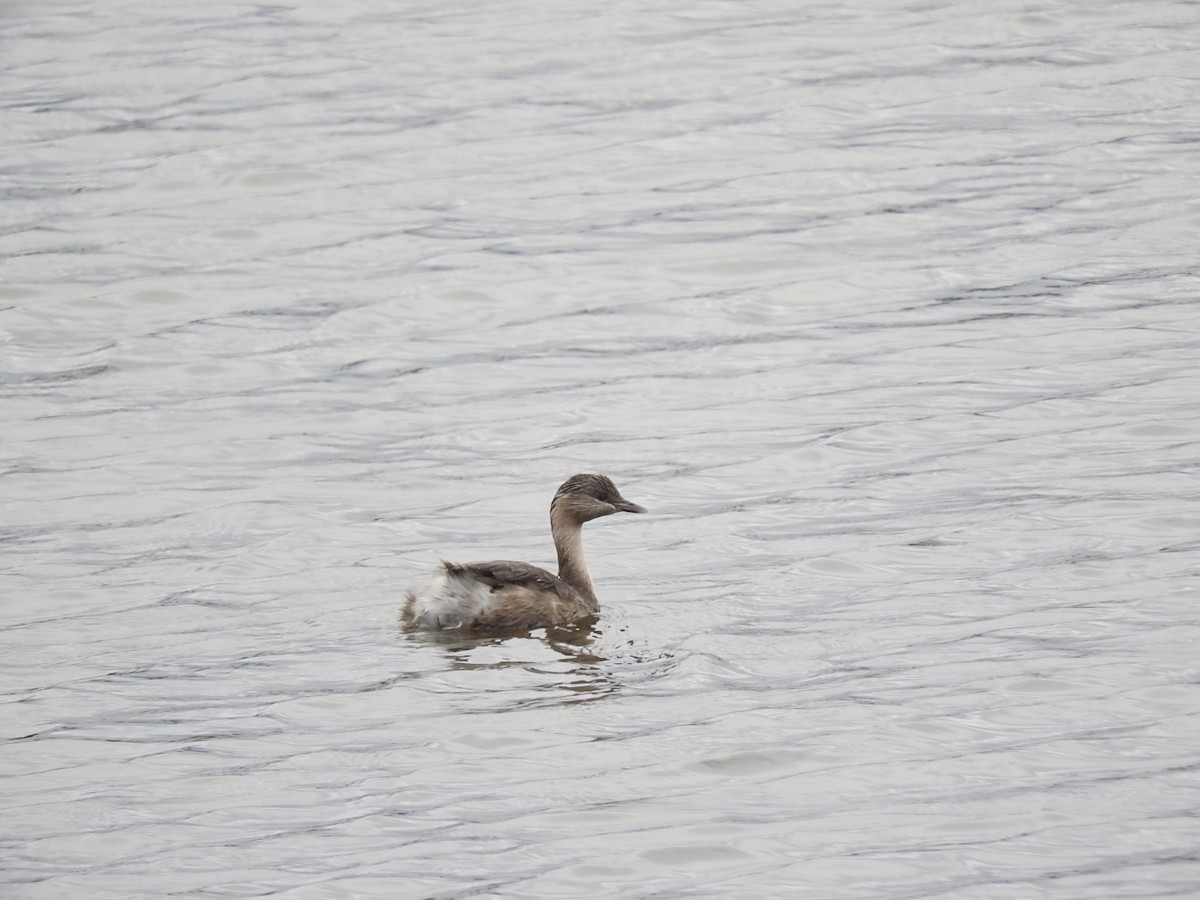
x,y
503,595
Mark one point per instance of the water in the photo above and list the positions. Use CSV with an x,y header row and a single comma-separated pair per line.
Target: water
x,y
886,311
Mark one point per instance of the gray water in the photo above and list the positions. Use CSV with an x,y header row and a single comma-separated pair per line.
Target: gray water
x,y
887,311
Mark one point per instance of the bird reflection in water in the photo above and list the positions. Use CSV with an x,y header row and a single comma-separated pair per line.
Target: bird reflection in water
x,y
578,672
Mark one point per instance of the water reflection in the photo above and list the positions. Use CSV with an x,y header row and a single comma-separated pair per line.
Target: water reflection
x,y
569,640
573,666
563,665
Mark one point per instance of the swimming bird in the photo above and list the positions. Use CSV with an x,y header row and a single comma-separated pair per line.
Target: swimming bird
x,y
504,595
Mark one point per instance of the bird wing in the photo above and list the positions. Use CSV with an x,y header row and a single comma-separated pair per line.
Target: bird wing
x,y
504,573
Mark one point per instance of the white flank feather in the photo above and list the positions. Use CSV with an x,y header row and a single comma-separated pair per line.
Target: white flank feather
x,y
448,601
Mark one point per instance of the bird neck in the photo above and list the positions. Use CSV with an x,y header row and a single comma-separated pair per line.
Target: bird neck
x,y
568,542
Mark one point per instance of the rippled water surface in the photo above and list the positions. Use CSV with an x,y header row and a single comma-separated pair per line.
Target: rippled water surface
x,y
887,311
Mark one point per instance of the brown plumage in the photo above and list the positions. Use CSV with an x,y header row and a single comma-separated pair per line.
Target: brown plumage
x,y
502,595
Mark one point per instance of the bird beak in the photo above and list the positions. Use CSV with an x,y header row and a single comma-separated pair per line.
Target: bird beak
x,y
626,506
